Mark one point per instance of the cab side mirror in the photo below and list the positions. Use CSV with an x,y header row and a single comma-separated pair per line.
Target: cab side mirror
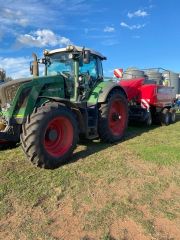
x,y
86,56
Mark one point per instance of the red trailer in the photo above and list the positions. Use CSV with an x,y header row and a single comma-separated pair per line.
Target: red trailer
x,y
149,102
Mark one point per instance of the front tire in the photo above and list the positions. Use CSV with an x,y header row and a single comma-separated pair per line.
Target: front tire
x,y
50,135
113,117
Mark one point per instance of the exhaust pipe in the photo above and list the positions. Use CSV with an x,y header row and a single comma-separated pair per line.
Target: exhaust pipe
x,y
35,66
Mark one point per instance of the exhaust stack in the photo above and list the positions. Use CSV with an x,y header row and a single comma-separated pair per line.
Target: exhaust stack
x,y
35,66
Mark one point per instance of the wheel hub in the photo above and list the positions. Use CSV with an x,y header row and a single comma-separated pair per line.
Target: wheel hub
x,y
52,134
116,117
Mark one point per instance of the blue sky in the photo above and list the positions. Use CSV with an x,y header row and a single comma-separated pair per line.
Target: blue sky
x,y
131,33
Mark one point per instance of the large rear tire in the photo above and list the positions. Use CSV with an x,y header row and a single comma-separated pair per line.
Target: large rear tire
x,y
50,135
113,117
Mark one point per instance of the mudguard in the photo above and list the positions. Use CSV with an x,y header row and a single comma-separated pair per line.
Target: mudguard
x,y
102,90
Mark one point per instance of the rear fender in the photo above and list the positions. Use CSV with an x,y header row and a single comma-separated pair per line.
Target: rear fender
x,y
105,92
102,90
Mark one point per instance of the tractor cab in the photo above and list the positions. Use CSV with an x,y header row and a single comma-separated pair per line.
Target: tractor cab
x,y
80,67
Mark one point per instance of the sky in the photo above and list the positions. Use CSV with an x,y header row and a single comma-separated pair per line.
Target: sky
x,y
130,33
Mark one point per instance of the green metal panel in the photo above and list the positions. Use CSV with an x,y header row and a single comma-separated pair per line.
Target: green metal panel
x,y
101,91
52,86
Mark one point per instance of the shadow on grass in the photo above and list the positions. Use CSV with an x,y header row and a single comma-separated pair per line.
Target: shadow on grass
x,y
132,131
8,145
96,146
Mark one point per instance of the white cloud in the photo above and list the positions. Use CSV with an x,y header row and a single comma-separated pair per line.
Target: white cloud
x,y
10,17
109,29
138,13
132,27
42,38
37,13
16,67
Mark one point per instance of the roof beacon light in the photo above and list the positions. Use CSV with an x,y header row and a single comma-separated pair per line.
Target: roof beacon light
x,y
70,48
46,52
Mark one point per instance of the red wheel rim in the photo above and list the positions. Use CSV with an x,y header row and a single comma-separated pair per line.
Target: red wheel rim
x,y
58,136
117,117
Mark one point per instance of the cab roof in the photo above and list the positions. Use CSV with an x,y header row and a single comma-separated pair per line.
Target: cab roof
x,y
78,49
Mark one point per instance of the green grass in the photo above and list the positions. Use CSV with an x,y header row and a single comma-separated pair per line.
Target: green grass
x,y
104,185
161,148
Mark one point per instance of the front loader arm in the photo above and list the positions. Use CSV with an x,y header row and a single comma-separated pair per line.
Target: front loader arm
x,y
27,97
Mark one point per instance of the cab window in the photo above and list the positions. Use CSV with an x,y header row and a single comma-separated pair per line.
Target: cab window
x,y
100,68
90,68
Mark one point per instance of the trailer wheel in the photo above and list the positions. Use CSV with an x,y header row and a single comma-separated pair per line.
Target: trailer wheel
x,y
49,136
113,117
148,120
172,113
165,117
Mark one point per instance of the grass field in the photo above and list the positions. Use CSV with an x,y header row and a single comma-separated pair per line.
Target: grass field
x,y
125,191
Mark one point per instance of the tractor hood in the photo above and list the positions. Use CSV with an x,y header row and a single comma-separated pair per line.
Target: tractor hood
x,y
8,90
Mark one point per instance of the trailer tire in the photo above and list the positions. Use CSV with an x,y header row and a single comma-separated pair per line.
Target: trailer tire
x,y
165,117
113,117
148,120
172,113
50,135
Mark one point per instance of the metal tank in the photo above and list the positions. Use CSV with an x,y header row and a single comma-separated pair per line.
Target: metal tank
x,y
133,73
154,75
173,79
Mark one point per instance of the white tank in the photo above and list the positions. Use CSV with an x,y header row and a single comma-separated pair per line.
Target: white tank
x,y
173,79
133,73
153,75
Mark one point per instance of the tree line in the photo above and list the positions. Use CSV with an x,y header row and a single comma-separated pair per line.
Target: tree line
x,y
3,77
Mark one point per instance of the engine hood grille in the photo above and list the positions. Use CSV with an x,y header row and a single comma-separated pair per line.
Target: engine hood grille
x,y
8,90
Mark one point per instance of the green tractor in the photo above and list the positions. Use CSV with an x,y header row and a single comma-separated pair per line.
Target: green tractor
x,y
48,114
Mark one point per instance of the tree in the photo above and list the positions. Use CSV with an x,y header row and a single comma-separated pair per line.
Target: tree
x,y
2,74
7,79
3,77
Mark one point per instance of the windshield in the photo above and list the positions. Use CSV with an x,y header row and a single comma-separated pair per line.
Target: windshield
x,y
60,64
